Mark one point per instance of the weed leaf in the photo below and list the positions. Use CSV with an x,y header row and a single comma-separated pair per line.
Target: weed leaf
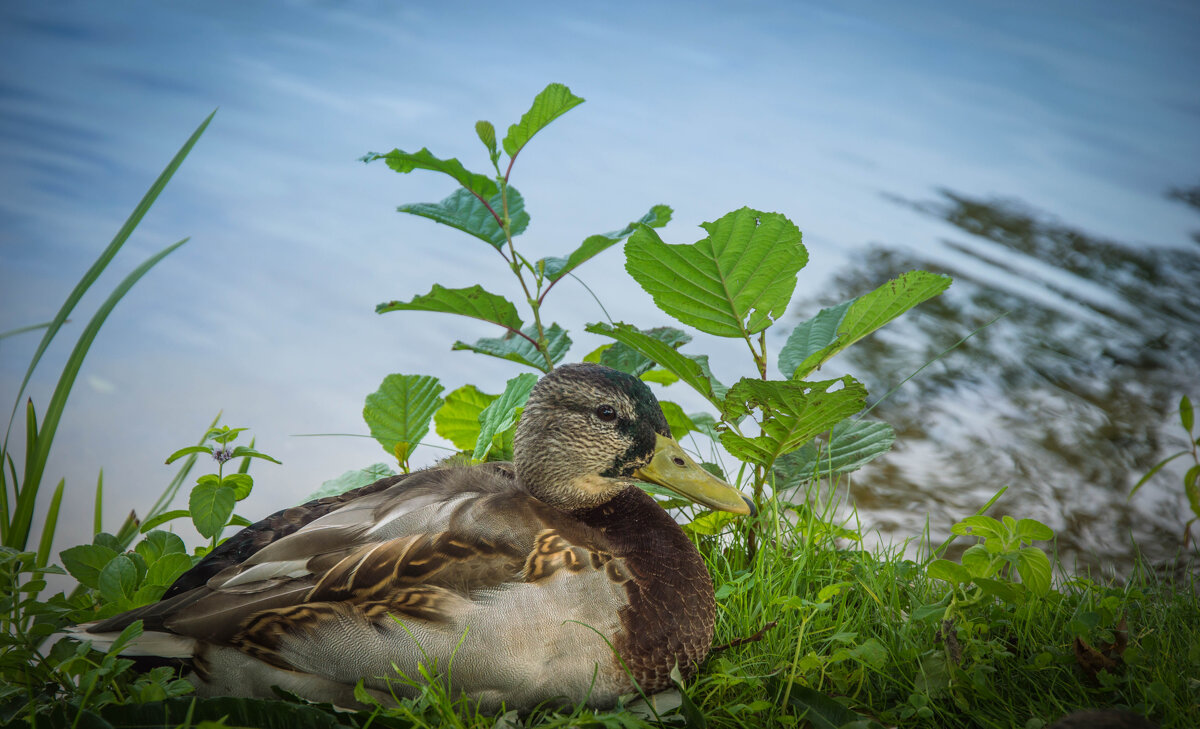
x,y
85,562
520,350
211,505
404,162
864,315
458,419
470,214
473,302
399,412
732,283
621,356
555,268
852,444
794,413
553,101
691,370
500,414
351,480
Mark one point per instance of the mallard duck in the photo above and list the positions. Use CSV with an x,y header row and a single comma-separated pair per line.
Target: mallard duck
x,y
519,583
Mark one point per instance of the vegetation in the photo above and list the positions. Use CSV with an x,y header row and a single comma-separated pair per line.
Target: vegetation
x,y
814,628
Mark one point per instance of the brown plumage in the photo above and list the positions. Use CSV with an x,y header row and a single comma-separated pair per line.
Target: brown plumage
x,y
511,580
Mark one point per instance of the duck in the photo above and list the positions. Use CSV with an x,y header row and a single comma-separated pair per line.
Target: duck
x,y
551,580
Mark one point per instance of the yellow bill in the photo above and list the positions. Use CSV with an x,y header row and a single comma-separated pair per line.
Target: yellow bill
x,y
673,468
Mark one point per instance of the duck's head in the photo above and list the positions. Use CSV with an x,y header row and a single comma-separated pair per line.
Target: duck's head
x,y
589,431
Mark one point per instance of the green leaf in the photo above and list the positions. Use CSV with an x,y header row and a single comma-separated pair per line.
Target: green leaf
x,y
952,572
732,283
211,506
864,315
1150,474
621,356
659,376
852,444
811,336
163,518
487,135
819,710
500,414
480,218
1006,591
404,162
1032,530
680,423
241,483
520,350
1191,488
458,419
1034,568
978,561
553,101
1186,416
710,523
165,570
794,412
981,526
158,543
118,579
50,526
85,562
473,302
247,452
399,412
555,268
186,451
682,366
351,480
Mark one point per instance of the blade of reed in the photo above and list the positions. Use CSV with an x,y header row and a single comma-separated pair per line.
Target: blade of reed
x,y
50,526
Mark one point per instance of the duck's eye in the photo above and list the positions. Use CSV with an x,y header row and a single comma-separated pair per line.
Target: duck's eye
x,y
607,413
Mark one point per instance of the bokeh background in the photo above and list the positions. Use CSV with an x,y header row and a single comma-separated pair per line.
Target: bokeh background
x,y
1045,154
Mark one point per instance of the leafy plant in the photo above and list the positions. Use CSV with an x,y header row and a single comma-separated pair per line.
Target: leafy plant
x,y
1004,547
1191,478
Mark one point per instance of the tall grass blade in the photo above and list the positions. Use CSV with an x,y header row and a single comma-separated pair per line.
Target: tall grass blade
x,y
102,262
22,330
98,512
18,533
50,526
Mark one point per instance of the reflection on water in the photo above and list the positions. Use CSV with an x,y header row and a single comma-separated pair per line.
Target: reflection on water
x,y
1069,398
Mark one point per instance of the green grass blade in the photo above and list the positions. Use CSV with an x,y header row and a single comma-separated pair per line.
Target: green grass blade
x,y
22,330
98,511
51,525
19,529
102,262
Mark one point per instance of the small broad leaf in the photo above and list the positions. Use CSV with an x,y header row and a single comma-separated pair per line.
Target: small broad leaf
x,y
85,562
819,710
158,543
487,134
553,101
241,483
713,522
733,283
458,419
399,412
621,356
952,572
1034,567
118,579
187,451
473,302
1031,530
864,315
1186,416
659,376
1191,488
678,420
501,414
405,162
1006,591
520,350
478,217
688,369
556,268
211,505
351,480
167,569
978,526
794,413
978,561
247,452
852,444
811,336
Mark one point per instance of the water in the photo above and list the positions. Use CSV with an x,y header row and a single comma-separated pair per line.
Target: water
x,y
848,120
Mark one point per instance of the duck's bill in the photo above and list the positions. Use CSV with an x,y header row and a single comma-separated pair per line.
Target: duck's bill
x,y
673,468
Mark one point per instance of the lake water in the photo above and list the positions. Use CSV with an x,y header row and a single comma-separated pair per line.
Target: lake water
x,y
1027,148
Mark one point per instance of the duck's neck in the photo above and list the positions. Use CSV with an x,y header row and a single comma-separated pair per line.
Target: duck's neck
x,y
671,611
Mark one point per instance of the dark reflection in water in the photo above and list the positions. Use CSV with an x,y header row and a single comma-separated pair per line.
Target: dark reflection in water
x,y
1068,399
